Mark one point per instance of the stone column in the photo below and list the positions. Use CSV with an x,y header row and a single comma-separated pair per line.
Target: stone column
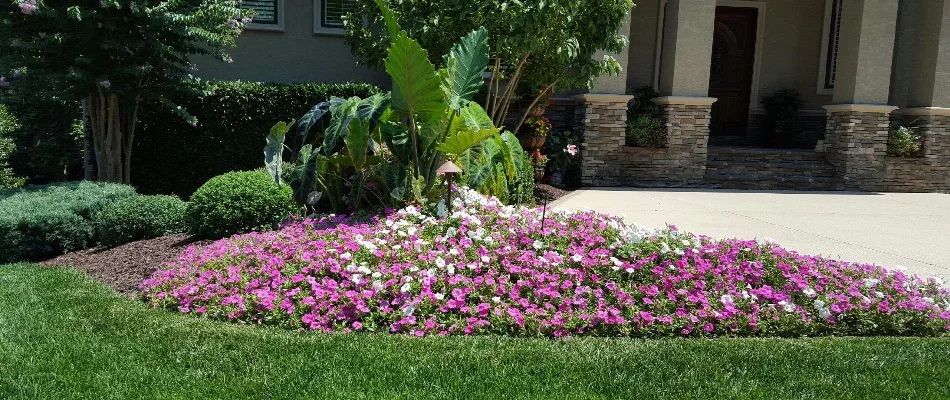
x,y
687,133
602,121
687,48
857,126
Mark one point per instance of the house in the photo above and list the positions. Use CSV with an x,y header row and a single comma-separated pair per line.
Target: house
x,y
859,65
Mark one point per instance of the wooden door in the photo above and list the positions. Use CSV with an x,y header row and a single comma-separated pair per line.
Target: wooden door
x,y
731,69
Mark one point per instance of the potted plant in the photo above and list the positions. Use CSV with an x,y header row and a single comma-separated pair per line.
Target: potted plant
x,y
534,132
539,162
783,117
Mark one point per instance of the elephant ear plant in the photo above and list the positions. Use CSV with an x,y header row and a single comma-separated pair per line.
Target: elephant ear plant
x,y
384,150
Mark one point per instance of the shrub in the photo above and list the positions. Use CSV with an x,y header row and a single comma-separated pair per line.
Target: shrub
x,y
646,131
645,128
8,124
903,141
46,221
522,190
140,217
492,269
233,117
238,202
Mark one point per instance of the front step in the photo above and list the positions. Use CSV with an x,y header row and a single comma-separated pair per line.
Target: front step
x,y
769,169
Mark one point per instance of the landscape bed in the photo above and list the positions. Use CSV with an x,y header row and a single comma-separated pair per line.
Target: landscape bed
x,y
487,268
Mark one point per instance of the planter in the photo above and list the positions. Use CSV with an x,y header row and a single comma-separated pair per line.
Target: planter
x,y
538,173
532,142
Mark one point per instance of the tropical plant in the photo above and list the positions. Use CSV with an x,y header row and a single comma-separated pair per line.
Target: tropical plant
x,y
385,149
113,55
536,45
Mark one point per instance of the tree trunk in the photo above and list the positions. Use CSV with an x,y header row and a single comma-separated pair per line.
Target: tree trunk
x,y
112,122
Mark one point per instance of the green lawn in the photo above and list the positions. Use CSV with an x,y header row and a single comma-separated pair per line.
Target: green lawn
x,y
64,336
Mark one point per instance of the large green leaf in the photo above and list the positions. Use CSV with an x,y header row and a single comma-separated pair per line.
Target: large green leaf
x,y
305,179
391,24
274,149
357,142
308,121
458,143
475,117
343,113
416,90
462,77
372,108
396,137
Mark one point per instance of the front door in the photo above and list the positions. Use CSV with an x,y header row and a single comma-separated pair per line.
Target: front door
x,y
730,72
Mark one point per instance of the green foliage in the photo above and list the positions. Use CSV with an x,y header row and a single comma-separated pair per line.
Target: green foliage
x,y
384,150
646,131
522,189
48,141
8,124
501,168
558,149
46,221
782,108
903,141
173,156
645,127
238,202
140,217
537,44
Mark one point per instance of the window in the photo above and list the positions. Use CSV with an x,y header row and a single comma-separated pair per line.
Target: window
x,y
328,15
269,14
831,38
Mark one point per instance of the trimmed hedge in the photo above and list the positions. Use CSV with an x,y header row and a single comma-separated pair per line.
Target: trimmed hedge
x,y
140,217
171,156
8,124
47,221
238,202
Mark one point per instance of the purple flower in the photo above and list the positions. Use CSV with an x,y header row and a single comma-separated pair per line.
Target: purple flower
x,y
28,7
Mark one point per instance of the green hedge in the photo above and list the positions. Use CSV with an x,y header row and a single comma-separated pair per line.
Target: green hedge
x,y
140,217
234,117
8,124
238,202
46,221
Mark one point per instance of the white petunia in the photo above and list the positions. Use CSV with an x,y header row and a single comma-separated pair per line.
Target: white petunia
x,y
537,245
405,287
409,309
819,304
496,299
824,313
727,299
809,292
870,282
439,296
577,258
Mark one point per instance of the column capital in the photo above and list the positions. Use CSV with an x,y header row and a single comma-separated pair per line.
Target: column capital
x,y
865,108
684,100
603,98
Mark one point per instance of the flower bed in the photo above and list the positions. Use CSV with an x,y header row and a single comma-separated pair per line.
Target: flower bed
x,y
492,269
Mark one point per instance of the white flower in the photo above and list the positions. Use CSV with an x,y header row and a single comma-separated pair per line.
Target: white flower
x,y
686,242
809,292
679,252
405,287
576,258
879,294
537,245
439,262
727,299
377,285
451,269
869,282
496,299
364,270
356,278
819,304
824,313
377,274
408,309
929,300
439,296
615,261
664,248
789,307
346,256
485,259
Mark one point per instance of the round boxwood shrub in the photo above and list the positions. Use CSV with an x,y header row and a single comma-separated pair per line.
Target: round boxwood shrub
x,y
140,217
238,202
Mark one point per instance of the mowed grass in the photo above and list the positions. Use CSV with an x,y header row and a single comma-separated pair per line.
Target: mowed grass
x,y
64,336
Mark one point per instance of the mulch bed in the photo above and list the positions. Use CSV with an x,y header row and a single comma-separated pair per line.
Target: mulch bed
x,y
124,267
547,192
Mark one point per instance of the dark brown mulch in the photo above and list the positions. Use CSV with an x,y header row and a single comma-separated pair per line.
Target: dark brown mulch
x,y
547,192
124,267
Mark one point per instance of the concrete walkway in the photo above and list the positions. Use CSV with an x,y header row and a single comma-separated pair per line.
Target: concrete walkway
x,y
889,229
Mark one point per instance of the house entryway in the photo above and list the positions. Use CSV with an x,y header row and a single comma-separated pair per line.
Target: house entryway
x,y
730,73
750,168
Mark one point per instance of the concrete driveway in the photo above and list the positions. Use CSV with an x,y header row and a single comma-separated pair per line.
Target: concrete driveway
x,y
889,229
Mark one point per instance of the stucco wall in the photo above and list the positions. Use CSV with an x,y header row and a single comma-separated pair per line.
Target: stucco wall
x,y
295,55
642,49
791,50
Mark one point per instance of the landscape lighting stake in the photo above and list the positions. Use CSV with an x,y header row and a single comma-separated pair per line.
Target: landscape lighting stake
x,y
544,212
449,169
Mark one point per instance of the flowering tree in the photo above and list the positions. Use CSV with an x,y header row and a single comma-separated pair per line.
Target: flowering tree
x,y
113,55
536,46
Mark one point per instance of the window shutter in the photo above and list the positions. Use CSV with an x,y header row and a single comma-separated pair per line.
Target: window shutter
x,y
334,10
834,38
266,10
